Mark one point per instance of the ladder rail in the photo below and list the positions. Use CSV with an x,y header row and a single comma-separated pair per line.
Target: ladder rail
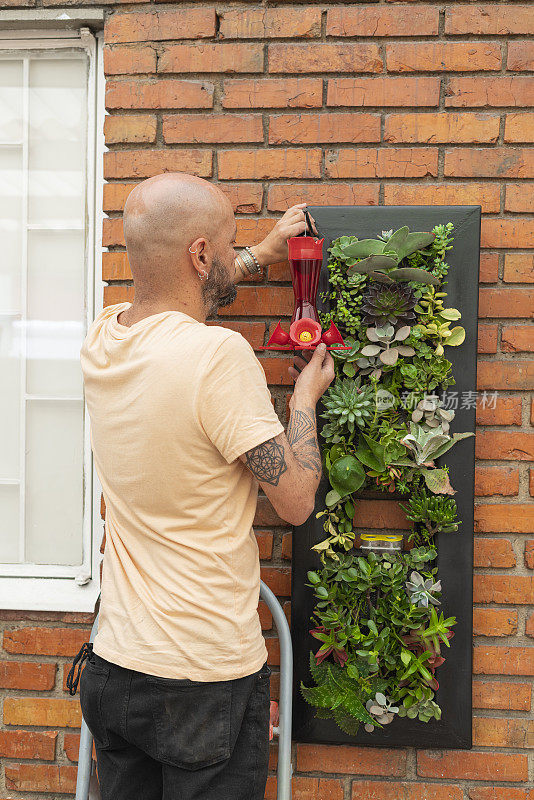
x,y
85,752
284,767
285,705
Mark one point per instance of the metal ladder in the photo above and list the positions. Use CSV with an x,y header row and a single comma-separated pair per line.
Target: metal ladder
x,y
283,731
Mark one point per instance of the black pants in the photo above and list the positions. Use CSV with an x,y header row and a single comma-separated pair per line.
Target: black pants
x,y
166,739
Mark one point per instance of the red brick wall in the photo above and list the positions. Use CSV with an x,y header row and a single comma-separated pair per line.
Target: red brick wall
x,y
380,103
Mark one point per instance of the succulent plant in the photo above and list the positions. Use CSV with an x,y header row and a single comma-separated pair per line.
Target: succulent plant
x,y
436,321
384,304
370,365
424,709
383,344
430,412
348,406
424,374
421,591
386,479
383,709
428,444
385,235
339,246
437,514
380,257
424,443
348,358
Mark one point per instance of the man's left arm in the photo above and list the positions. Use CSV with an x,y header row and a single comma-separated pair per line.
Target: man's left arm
x,y
274,247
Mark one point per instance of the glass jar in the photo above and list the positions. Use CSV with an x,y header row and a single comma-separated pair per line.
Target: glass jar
x,y
381,542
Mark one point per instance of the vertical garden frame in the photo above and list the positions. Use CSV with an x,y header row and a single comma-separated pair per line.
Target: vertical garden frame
x,y
455,551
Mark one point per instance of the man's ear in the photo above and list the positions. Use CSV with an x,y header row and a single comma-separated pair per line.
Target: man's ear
x,y
198,252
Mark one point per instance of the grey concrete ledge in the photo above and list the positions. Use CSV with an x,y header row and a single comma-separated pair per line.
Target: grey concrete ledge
x,y
51,18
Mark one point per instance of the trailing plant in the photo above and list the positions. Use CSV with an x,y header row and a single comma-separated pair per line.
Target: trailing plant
x,y
385,426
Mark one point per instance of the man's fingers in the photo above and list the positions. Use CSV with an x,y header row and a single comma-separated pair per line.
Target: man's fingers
x,y
299,363
274,718
310,356
294,228
301,360
328,366
313,225
292,214
320,353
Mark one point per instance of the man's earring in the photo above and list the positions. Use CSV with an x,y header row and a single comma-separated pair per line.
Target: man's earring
x,y
203,275
191,251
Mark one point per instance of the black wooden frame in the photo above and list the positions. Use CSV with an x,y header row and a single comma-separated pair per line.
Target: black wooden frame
x,y
455,551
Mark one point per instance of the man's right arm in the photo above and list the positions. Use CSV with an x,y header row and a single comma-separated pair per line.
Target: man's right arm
x,y
288,467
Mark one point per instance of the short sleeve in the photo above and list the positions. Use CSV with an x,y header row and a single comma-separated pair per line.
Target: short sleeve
x,y
233,402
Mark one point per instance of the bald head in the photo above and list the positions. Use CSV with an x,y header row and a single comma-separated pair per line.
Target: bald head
x,y
163,216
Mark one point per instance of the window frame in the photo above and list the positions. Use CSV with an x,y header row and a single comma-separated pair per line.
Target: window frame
x,y
63,587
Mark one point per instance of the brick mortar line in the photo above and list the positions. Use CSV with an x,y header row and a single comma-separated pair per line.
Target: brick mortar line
x,y
427,180
520,570
505,356
364,144
369,145
329,75
442,37
274,215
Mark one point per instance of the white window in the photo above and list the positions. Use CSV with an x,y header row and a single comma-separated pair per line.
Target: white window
x,y
50,123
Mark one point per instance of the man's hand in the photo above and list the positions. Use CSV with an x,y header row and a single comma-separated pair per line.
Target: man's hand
x,y
274,246
274,718
313,377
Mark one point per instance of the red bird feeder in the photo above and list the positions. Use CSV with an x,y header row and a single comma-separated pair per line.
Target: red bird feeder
x,y
305,261
307,332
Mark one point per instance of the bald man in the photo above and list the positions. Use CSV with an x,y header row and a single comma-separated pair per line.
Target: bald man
x,y
176,687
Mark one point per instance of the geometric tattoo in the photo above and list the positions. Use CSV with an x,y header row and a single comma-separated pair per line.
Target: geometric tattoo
x,y
302,436
267,462
300,426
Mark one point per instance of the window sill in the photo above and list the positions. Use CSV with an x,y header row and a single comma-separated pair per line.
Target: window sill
x,y
47,594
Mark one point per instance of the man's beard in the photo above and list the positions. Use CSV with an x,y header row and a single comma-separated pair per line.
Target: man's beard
x,y
218,290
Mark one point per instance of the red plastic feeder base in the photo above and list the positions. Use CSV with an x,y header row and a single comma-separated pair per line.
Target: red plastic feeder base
x,y
305,334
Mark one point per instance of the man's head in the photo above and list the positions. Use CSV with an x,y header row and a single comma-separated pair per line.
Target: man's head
x,y
180,235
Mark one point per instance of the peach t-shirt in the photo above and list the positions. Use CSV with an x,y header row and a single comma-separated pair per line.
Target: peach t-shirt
x,y
172,404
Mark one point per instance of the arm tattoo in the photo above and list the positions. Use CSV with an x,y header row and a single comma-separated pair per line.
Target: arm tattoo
x,y
302,436
300,425
267,461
